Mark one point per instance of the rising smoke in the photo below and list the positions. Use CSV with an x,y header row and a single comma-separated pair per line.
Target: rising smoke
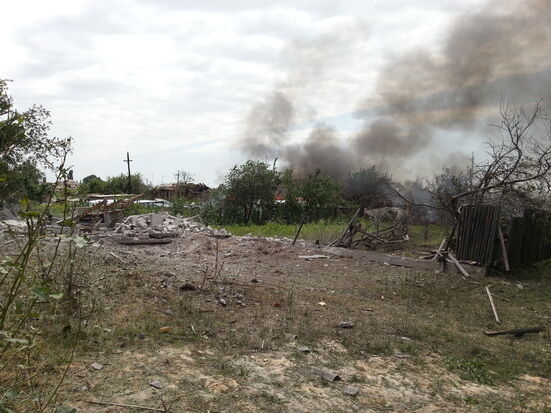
x,y
500,51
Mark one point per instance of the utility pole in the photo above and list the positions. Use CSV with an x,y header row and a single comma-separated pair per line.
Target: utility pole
x,y
128,160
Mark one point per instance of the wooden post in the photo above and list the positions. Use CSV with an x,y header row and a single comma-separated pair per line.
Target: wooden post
x,y
128,160
299,228
492,304
503,248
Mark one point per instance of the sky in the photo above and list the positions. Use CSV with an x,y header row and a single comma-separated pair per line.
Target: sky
x,y
174,82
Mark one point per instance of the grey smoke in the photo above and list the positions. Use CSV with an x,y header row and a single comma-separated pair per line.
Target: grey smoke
x,y
499,51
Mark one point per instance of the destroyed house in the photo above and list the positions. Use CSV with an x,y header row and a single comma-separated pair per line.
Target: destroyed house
x,y
176,191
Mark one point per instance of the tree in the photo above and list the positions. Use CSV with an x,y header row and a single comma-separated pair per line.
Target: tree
x,y
183,177
248,187
367,187
113,185
517,164
317,192
24,146
518,160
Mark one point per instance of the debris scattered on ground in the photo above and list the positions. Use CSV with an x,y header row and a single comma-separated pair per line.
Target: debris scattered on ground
x,y
494,310
326,375
346,324
323,304
96,366
157,384
351,390
312,257
304,349
402,355
165,329
518,332
162,226
188,287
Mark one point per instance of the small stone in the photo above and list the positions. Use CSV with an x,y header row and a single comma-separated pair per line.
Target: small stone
x,y
345,324
157,384
188,287
304,349
351,390
405,338
402,355
222,302
322,304
96,366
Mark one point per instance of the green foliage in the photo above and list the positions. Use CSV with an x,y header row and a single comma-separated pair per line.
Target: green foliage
x,y
323,231
113,185
139,209
309,198
318,192
248,192
368,187
25,145
184,207
472,370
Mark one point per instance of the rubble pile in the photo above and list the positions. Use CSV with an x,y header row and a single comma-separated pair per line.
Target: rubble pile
x,y
160,225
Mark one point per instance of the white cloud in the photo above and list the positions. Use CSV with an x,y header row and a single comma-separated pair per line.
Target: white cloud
x,y
171,81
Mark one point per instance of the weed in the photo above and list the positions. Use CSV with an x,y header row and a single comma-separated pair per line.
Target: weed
x,y
472,370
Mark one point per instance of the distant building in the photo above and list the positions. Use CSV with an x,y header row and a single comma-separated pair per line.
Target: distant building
x,y
175,191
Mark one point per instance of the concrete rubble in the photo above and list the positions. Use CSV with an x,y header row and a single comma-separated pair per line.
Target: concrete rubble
x,y
159,225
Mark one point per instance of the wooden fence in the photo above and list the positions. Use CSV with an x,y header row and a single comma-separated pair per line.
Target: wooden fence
x,y
527,238
476,233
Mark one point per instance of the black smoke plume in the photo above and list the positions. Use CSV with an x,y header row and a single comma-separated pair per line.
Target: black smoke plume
x,y
499,51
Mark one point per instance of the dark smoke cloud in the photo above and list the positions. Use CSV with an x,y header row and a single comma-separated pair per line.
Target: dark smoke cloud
x,y
500,51
313,154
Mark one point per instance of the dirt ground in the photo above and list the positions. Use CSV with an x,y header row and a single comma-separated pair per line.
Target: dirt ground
x,y
241,325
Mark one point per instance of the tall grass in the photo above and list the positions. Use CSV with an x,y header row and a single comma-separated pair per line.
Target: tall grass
x,y
326,232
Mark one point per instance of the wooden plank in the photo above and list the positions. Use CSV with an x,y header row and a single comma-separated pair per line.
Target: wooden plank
x,y
133,241
492,304
458,265
503,248
517,331
383,258
439,249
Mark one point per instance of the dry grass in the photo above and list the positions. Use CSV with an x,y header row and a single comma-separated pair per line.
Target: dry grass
x,y
247,347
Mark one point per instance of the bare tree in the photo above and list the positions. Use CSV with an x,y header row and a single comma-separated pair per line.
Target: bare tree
x,y
183,177
518,159
518,163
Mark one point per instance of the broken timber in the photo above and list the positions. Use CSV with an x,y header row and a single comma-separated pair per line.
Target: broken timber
x,y
133,241
383,258
395,260
519,332
492,304
336,242
458,265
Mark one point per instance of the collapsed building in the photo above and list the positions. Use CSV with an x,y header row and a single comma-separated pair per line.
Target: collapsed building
x,y
171,192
